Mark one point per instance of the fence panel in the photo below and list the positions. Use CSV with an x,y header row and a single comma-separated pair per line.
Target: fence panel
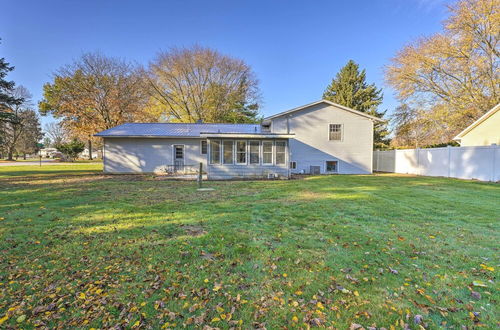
x,y
481,163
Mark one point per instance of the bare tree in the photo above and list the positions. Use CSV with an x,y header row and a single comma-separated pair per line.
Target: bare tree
x,y
56,133
191,84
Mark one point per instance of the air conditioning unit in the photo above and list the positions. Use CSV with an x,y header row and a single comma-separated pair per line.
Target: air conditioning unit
x,y
272,175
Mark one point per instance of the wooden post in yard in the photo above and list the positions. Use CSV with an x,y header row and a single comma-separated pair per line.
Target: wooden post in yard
x,y
200,175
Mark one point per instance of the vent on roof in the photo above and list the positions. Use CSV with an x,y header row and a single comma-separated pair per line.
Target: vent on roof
x,y
199,121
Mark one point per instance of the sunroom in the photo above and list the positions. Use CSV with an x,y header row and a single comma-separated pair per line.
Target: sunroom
x,y
247,156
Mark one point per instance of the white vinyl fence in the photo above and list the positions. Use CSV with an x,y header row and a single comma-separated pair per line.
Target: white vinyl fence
x,y
480,163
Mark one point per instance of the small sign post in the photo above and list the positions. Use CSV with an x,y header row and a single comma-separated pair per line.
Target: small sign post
x,y
40,146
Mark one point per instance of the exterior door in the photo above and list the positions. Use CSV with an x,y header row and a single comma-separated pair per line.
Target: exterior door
x,y
178,158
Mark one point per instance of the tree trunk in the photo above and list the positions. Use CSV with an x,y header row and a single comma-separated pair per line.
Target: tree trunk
x,y
10,154
24,156
90,149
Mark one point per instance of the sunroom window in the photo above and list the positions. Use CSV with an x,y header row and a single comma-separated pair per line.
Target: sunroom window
x,y
228,152
267,152
254,152
280,152
214,152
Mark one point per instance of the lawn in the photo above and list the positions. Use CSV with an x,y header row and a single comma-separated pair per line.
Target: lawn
x,y
83,249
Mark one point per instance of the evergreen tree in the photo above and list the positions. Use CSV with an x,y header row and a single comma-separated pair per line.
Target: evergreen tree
x,y
349,88
6,88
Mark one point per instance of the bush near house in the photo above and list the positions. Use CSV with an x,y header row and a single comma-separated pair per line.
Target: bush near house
x,y
83,249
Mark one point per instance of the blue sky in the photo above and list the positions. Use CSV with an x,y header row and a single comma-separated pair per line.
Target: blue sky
x,y
294,47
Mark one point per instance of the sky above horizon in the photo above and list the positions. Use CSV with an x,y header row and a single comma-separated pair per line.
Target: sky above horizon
x,y
294,47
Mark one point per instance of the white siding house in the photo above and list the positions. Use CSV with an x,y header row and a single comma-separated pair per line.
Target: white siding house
x,y
318,138
326,133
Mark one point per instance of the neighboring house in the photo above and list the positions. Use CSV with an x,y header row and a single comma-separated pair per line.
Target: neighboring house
x,y
318,138
96,153
48,152
483,132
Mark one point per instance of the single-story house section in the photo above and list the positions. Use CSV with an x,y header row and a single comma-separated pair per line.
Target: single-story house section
x,y
483,132
318,138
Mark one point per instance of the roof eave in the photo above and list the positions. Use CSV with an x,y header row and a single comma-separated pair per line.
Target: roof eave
x,y
328,102
248,135
480,120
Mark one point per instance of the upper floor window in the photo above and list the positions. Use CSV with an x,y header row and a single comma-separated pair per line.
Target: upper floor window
x,y
335,132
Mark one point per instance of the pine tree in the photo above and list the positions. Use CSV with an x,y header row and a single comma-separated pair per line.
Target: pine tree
x,y
349,88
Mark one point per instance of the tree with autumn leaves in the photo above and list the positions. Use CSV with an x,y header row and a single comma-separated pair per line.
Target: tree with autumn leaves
x,y
97,92
448,80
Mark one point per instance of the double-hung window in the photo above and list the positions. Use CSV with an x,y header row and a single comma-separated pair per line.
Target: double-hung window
x,y
228,152
215,152
280,152
241,152
267,152
254,152
335,132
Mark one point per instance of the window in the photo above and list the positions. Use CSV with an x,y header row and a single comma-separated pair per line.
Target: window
x,y
214,152
241,152
203,147
332,166
293,165
179,152
267,152
280,152
254,152
228,152
335,132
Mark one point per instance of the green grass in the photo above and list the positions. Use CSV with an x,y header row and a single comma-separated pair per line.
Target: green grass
x,y
83,249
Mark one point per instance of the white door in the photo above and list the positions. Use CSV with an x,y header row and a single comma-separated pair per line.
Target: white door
x,y
178,158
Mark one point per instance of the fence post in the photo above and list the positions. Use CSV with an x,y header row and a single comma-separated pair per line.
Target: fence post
x,y
449,161
418,161
200,175
494,150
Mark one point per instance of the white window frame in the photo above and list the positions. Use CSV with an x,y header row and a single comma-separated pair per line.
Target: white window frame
x,y
201,147
326,166
276,153
272,153
224,150
210,152
258,153
236,152
341,133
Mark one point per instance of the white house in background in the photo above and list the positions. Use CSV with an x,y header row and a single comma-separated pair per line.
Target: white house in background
x,y
317,138
483,132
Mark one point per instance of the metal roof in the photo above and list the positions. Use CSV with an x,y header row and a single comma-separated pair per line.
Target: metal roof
x,y
177,129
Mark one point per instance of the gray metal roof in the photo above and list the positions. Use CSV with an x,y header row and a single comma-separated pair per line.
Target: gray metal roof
x,y
176,129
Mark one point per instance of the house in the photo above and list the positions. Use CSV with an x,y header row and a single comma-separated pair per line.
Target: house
x,y
317,138
483,132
